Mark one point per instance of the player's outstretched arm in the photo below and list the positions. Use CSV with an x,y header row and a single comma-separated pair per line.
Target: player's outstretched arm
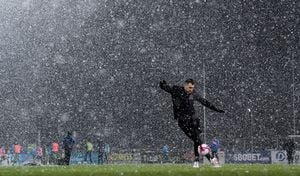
x,y
207,104
163,85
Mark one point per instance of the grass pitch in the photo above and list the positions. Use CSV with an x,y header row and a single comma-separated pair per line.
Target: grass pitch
x,y
154,170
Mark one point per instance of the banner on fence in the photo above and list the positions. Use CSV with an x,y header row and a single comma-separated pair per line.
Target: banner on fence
x,y
280,157
248,157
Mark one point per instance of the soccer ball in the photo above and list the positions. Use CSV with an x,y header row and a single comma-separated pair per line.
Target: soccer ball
x,y
204,149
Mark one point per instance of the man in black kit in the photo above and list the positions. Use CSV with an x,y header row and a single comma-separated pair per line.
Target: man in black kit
x,y
68,144
290,150
183,106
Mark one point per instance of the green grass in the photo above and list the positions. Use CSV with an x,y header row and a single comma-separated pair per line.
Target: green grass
x,y
153,170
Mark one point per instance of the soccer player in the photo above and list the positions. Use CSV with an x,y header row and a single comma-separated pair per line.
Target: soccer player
x,y
183,106
290,150
89,150
214,146
68,144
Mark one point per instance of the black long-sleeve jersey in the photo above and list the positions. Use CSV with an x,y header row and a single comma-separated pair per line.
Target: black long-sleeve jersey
x,y
183,103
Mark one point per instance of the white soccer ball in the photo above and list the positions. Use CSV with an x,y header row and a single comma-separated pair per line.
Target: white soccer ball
x,y
204,149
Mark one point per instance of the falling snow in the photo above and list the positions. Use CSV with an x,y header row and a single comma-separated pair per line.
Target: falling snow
x,y
93,67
